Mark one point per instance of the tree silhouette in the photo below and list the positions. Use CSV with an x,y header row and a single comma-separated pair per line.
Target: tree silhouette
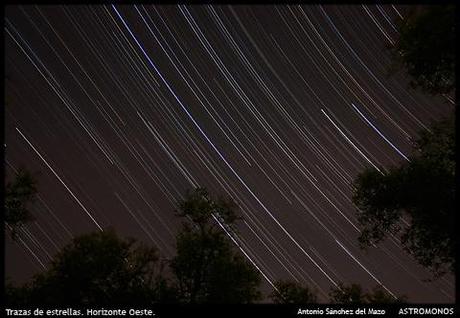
x,y
354,294
292,293
102,269
426,48
200,208
206,268
97,269
19,194
423,191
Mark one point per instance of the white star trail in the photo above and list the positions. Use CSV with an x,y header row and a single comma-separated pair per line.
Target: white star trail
x,y
60,180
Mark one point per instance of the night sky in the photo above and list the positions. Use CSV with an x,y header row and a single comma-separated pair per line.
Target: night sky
x,y
118,110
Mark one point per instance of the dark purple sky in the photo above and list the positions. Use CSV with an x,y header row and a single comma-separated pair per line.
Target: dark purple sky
x,y
119,110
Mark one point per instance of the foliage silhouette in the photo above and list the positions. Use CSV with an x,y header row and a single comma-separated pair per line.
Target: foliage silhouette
x,y
292,293
101,269
19,194
354,294
97,269
426,48
422,191
206,268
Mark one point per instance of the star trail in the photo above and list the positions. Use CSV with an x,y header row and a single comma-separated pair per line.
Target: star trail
x,y
118,110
